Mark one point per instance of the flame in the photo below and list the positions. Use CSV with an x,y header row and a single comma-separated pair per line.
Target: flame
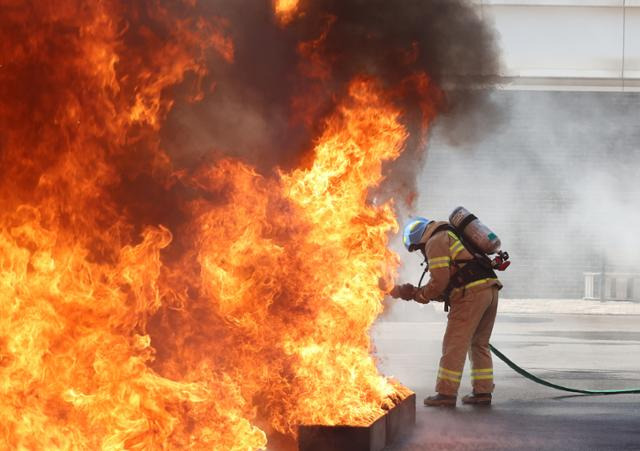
x,y
294,267
286,9
261,323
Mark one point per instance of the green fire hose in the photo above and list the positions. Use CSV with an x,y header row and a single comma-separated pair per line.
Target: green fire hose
x,y
537,380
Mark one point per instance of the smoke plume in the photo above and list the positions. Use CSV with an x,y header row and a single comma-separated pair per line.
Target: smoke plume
x,y
261,109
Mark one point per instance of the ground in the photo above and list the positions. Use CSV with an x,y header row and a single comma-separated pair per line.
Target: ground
x,y
583,351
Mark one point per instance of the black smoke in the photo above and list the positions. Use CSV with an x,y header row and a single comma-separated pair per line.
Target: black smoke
x,y
255,112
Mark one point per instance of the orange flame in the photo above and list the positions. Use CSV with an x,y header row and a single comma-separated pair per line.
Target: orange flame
x,y
295,264
261,323
286,9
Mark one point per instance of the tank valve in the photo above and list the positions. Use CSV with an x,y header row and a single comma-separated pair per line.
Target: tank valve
x,y
501,261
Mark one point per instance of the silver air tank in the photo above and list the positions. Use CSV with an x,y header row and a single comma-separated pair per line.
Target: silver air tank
x,y
474,231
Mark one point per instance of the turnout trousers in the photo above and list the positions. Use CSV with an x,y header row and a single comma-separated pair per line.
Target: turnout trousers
x,y
469,327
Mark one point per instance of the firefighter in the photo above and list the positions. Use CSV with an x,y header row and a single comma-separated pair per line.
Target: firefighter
x,y
472,294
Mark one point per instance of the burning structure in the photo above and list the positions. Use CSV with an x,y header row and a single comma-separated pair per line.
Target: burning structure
x,y
173,283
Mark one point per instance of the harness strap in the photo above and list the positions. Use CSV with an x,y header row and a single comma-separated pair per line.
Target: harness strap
x,y
471,272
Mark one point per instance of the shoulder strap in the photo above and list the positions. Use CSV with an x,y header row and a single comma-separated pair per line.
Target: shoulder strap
x,y
449,228
475,252
443,227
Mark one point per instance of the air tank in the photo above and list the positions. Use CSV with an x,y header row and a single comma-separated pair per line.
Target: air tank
x,y
474,231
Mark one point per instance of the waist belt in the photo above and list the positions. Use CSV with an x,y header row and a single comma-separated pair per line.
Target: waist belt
x,y
472,274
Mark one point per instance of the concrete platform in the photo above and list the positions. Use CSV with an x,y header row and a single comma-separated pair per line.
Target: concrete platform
x,y
585,351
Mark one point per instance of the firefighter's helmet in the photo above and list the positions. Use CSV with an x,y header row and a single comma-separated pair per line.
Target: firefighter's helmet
x,y
413,232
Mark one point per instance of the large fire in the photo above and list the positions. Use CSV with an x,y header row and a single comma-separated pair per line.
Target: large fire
x,y
249,317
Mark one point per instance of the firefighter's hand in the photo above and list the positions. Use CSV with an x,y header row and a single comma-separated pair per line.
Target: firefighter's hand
x,y
405,291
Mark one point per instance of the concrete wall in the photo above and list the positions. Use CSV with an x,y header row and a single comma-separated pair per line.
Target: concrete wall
x,y
545,40
556,176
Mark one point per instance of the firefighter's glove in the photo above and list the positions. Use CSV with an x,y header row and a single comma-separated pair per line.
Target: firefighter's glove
x,y
405,291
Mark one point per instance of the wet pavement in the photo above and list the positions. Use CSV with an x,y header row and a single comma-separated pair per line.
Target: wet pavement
x,y
581,351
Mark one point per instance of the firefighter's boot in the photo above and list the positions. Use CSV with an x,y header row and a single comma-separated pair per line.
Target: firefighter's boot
x,y
440,400
477,399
